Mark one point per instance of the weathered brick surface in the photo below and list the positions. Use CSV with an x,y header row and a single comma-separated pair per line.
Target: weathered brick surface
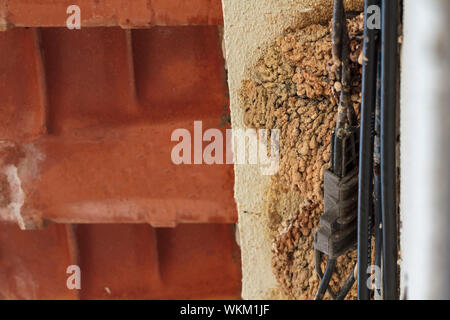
x,y
85,128
124,13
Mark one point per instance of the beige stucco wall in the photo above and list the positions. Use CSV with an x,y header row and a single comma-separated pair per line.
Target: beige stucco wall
x,y
249,26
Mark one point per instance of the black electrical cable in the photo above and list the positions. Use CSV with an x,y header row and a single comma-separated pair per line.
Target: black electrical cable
x,y
338,45
342,294
331,264
365,190
317,262
338,32
378,235
347,285
346,114
389,50
344,121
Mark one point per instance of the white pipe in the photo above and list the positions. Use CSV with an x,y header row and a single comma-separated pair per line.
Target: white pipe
x,y
425,150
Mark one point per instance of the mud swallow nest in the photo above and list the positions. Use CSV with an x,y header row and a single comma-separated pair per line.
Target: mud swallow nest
x,y
294,89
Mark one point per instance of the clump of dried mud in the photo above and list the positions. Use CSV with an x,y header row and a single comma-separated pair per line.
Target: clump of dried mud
x,y
294,89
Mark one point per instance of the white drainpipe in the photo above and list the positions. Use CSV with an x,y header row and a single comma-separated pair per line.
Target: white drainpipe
x,y
425,150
